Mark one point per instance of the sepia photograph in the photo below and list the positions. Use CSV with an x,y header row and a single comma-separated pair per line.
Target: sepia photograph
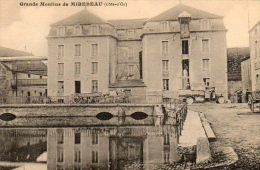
x,y
129,84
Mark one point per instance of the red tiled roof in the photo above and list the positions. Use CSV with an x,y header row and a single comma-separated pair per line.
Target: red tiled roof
x,y
173,13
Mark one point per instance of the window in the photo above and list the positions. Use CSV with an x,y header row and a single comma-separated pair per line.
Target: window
x,y
60,88
94,138
205,46
205,64
166,157
206,82
94,50
59,167
165,84
94,86
94,29
29,75
164,48
204,24
185,29
94,157
164,26
77,67
77,137
165,66
166,139
185,47
77,87
77,156
60,136
77,30
60,155
94,67
130,33
60,51
130,54
77,167
77,49
60,68
61,31
130,70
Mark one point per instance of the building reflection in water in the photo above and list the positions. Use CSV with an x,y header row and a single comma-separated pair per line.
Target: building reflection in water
x,y
111,147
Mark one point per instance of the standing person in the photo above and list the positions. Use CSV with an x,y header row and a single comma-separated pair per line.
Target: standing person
x,y
247,95
213,94
207,93
185,75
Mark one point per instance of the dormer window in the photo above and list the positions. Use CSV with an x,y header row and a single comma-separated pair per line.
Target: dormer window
x,y
204,24
61,31
94,29
184,20
164,26
77,30
130,32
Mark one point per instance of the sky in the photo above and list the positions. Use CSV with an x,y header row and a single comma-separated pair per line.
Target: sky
x,y
26,28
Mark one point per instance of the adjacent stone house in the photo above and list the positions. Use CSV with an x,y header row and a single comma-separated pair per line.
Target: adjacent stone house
x,y
246,75
235,57
254,38
22,78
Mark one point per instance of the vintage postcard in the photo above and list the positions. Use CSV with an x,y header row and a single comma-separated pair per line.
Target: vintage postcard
x,y
129,84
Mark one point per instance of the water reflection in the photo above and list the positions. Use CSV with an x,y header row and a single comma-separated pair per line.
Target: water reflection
x,y
22,145
125,144
139,147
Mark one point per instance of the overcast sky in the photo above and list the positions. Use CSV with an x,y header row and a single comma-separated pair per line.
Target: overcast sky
x,y
29,26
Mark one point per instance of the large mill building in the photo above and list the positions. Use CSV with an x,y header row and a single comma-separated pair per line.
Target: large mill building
x,y
181,48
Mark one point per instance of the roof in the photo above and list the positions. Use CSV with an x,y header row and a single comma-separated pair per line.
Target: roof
x,y
184,14
254,26
81,17
8,52
173,13
32,67
128,23
127,83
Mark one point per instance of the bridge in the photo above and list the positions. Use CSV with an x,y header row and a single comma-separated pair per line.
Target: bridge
x,y
84,115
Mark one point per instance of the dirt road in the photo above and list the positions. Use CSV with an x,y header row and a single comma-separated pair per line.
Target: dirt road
x,y
236,126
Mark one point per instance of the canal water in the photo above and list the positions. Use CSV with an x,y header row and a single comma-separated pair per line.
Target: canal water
x,y
129,143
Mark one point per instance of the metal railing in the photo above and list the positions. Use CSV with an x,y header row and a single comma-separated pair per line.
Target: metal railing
x,y
29,82
92,98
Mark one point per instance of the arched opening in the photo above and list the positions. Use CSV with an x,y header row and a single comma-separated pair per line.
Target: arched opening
x,y
7,116
139,115
104,116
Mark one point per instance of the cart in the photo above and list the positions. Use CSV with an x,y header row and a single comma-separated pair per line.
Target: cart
x,y
191,96
254,100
